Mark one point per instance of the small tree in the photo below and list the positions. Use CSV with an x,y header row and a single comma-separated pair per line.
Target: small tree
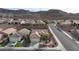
x,y
45,20
44,37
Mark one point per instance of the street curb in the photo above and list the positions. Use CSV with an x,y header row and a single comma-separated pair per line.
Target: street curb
x,y
60,46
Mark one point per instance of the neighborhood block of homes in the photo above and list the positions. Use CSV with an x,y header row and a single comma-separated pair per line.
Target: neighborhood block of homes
x,y
23,34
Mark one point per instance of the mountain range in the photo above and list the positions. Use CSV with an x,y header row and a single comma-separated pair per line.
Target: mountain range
x,y
52,14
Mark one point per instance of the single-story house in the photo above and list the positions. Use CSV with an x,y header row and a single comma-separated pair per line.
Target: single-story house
x,y
10,31
39,22
3,38
35,38
23,22
15,22
66,22
24,32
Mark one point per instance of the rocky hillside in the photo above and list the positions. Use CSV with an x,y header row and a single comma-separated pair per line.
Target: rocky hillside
x,y
50,14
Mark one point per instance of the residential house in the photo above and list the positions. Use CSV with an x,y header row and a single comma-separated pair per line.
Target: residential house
x,y
3,39
25,33
13,39
10,31
35,38
66,22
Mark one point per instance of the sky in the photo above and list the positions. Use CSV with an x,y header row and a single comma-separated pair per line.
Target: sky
x,y
31,9
70,6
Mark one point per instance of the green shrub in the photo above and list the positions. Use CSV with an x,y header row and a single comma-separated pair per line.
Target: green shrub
x,y
18,44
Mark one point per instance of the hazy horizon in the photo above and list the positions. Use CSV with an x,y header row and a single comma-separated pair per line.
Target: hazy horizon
x,y
68,10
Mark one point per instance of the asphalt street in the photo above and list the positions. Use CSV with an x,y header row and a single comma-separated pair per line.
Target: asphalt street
x,y
67,42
